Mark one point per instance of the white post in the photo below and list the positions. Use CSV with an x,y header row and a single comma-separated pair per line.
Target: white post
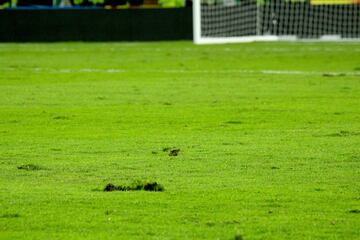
x,y
258,19
196,21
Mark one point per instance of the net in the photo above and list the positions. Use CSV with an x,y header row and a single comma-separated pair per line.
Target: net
x,y
251,20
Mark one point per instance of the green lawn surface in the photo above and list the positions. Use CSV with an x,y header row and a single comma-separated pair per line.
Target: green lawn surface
x,y
269,139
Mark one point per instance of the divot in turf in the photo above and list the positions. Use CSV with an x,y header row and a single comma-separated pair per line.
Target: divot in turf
x,y
172,152
29,167
136,186
357,211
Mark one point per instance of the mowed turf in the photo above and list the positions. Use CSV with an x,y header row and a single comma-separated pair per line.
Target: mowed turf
x,y
269,139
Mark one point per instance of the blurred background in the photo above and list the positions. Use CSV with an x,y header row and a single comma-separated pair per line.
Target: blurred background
x,y
95,20
94,3
165,20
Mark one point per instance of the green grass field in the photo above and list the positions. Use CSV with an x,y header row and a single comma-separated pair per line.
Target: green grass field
x,y
269,139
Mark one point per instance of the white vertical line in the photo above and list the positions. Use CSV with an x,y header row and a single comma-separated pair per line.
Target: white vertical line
x,y
196,21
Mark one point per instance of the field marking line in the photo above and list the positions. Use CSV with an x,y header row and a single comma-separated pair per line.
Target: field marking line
x,y
250,49
185,71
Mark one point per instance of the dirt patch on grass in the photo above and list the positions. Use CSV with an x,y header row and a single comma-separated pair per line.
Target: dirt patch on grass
x,y
172,151
136,186
29,167
110,187
153,186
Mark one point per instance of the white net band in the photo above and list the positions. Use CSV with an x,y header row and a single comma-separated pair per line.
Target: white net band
x,y
313,19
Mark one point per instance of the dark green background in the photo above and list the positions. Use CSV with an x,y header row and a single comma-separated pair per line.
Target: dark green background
x,y
95,25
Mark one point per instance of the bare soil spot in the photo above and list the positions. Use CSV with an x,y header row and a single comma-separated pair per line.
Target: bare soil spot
x,y
153,186
110,187
136,186
174,152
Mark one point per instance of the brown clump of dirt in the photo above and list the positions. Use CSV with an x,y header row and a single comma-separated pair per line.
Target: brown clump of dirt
x,y
136,186
154,187
110,187
174,152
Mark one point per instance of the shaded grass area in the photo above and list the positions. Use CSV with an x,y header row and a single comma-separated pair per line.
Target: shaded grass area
x,y
243,154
